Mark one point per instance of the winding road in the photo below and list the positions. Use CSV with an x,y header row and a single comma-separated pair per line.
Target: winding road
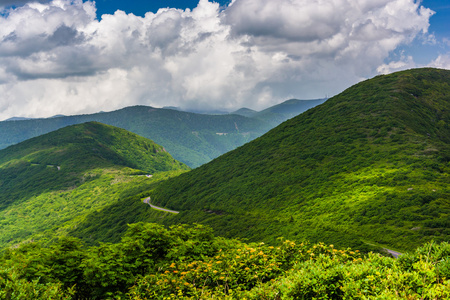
x,y
395,254
147,201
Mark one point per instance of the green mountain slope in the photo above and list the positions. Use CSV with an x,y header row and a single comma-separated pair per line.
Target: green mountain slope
x,y
62,176
369,166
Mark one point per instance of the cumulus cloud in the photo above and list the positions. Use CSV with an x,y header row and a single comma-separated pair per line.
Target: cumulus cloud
x,y
442,62
405,62
57,57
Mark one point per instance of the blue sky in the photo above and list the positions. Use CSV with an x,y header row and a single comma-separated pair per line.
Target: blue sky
x,y
141,7
74,56
439,26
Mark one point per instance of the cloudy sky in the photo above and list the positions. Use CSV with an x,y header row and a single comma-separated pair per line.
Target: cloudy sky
x,y
73,57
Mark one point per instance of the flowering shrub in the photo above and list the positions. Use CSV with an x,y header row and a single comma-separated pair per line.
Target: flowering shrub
x,y
189,262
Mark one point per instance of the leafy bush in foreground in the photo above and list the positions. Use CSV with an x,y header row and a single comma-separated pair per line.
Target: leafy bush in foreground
x,y
189,262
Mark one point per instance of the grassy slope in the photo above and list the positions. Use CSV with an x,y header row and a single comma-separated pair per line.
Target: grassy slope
x,y
371,164
58,178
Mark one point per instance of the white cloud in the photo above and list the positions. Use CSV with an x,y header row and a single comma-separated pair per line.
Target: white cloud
x,y
405,62
57,57
441,62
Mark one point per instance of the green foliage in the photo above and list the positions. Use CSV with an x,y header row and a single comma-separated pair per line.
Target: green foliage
x,y
369,166
13,287
189,262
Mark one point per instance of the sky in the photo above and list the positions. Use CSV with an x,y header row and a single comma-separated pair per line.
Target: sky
x,y
76,57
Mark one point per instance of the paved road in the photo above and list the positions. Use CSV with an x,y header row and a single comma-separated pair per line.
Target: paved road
x,y
393,253
147,201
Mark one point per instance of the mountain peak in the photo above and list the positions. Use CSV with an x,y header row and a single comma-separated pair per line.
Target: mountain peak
x,y
367,165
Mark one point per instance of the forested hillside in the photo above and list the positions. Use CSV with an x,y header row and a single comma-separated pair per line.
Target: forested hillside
x,y
368,167
49,183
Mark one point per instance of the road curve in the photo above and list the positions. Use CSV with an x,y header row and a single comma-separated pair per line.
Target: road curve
x,y
395,254
147,201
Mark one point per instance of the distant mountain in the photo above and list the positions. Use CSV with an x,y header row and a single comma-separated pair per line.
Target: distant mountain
x,y
17,119
191,138
246,112
52,179
368,167
286,110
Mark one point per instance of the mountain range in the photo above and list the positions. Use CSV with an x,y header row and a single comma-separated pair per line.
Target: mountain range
x,y
191,138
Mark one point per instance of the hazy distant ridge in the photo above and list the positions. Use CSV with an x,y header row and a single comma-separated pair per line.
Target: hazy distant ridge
x,y
191,138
